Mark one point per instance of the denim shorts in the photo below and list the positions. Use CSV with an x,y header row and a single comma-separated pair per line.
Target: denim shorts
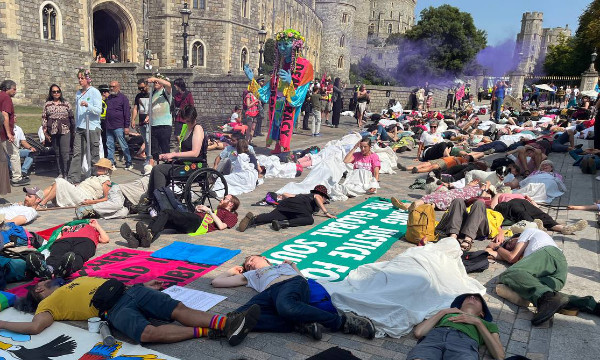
x,y
445,343
130,314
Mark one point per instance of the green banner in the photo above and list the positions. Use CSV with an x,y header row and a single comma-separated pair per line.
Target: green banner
x,y
359,235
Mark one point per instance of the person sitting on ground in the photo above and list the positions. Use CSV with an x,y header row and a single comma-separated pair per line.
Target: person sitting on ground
x,y
74,245
539,271
293,210
442,336
25,213
53,300
193,146
203,221
245,171
283,295
364,177
236,121
90,191
223,162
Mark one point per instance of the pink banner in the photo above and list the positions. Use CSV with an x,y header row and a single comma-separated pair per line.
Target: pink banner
x,y
134,267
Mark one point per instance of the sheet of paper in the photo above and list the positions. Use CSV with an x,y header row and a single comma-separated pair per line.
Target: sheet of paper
x,y
194,299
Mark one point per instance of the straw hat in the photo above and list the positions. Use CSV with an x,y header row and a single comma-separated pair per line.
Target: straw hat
x,y
105,163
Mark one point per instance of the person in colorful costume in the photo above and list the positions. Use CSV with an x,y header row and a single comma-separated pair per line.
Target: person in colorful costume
x,y
286,90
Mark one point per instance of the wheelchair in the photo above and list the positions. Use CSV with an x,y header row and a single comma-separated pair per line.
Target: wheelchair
x,y
194,183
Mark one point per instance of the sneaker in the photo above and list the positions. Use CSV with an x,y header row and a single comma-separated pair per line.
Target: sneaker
x,y
144,234
147,169
313,330
84,212
239,324
114,167
129,167
132,239
549,304
21,182
578,226
400,166
246,222
358,325
318,135
36,264
65,269
489,151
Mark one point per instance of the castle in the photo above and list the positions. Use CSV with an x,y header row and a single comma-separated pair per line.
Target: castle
x,y
533,41
45,41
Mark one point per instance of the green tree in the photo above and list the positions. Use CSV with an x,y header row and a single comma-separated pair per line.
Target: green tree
x,y
442,43
268,56
560,57
369,73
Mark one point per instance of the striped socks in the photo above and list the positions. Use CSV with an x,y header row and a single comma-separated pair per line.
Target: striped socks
x,y
217,322
200,332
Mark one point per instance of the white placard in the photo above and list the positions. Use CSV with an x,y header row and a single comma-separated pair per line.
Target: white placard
x,y
195,299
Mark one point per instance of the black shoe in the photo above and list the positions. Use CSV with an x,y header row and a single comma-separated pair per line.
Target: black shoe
x,y
278,225
37,265
144,234
358,325
239,324
312,329
246,222
549,304
21,182
415,170
132,239
400,166
65,269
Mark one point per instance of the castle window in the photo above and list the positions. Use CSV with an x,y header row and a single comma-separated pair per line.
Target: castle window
x,y
391,14
341,62
371,29
345,18
343,41
245,8
49,22
373,15
199,4
243,58
198,54
389,28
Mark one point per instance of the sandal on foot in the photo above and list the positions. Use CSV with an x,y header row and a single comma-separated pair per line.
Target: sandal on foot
x,y
465,245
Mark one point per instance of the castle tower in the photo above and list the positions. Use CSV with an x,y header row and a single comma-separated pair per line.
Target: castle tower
x,y
338,24
529,41
552,36
387,17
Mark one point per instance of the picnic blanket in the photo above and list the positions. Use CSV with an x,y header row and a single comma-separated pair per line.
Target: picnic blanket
x,y
135,266
199,254
400,293
359,235
65,342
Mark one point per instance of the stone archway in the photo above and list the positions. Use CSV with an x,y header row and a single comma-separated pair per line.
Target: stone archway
x,y
115,31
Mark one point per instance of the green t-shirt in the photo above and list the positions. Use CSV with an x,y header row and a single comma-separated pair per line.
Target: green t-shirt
x,y
161,108
470,330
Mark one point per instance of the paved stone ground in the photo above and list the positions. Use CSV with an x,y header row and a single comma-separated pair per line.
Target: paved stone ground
x,y
569,337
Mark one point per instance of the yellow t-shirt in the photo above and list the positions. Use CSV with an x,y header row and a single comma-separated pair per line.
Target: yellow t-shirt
x,y
72,301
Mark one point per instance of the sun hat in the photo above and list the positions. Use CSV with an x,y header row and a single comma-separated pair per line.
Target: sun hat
x,y
320,190
458,301
105,163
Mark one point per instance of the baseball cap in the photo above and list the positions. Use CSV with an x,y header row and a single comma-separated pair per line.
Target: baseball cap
x,y
34,190
103,88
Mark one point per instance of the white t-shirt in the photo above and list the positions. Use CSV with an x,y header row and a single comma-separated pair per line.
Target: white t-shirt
x,y
259,279
234,117
430,139
511,139
12,211
536,240
19,136
387,122
228,152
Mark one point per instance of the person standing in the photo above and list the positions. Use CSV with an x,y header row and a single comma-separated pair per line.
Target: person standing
x,y
88,105
105,93
338,102
8,89
316,104
328,89
252,104
261,110
500,91
162,120
182,98
118,120
362,100
140,110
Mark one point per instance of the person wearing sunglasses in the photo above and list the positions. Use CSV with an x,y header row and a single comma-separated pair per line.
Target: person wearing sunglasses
x,y
58,122
431,144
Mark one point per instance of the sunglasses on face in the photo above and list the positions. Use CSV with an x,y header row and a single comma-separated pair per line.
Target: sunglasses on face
x,y
141,89
56,91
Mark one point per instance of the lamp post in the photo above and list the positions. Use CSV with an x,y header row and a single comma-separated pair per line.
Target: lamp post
x,y
185,18
262,36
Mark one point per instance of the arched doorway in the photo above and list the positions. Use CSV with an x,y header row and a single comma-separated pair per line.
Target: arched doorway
x,y
114,31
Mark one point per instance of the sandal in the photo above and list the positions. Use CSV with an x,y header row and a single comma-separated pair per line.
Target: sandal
x,y
465,245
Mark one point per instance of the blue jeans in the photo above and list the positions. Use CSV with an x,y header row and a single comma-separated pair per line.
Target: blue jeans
x,y
445,343
286,304
27,162
383,134
499,102
497,145
578,155
110,144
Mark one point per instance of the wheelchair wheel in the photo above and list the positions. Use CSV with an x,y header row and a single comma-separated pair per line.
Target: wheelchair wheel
x,y
206,187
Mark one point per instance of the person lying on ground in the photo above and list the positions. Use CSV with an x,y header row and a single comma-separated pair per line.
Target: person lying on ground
x,y
380,133
203,221
442,336
496,178
74,245
293,210
55,300
90,191
595,207
546,176
364,177
21,214
504,144
442,199
283,296
441,164
539,271
528,158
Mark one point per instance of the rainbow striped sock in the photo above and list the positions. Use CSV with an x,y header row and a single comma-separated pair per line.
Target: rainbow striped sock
x,y
218,322
200,332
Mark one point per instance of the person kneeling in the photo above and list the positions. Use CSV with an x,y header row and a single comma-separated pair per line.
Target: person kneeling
x,y
284,300
457,332
204,220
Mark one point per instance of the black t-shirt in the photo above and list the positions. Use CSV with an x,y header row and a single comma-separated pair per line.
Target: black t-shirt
x,y
301,204
142,102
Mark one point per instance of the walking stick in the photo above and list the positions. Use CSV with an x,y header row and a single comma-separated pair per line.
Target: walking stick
x,y
149,126
88,153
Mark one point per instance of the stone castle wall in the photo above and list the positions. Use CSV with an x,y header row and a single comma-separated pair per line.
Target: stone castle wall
x,y
381,96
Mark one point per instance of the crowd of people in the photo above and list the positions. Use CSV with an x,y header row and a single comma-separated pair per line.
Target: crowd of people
x,y
478,199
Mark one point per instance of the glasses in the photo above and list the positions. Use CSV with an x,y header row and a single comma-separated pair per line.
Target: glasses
x,y
56,91
433,127
141,89
112,86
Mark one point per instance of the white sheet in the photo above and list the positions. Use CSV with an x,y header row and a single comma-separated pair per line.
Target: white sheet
x,y
554,186
242,179
275,169
400,293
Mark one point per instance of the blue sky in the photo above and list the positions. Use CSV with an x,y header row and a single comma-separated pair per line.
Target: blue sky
x,y
501,19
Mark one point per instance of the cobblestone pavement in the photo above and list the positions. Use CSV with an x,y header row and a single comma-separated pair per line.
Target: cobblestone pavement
x,y
567,338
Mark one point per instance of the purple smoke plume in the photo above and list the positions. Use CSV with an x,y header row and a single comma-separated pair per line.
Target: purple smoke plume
x,y
498,60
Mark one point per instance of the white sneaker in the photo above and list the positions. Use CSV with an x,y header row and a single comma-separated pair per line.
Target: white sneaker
x,y
114,168
147,169
129,167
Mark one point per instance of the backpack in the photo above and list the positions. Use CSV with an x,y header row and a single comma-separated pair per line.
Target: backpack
x,y
165,199
421,223
475,261
107,295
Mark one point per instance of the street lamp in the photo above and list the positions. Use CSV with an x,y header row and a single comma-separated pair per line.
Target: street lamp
x,y
185,18
262,36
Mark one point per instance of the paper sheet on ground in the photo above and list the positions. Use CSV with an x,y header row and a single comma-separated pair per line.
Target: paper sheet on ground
x,y
359,235
194,299
400,293
65,342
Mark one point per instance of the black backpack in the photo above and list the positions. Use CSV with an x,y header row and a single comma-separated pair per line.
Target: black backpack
x,y
475,261
164,199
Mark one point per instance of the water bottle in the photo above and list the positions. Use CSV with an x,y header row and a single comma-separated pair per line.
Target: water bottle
x,y
107,337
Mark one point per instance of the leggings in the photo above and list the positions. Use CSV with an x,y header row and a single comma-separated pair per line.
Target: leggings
x,y
521,209
295,219
84,248
61,143
182,222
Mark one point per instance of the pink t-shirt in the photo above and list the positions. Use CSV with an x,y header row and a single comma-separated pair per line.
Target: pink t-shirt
x,y
366,162
508,197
